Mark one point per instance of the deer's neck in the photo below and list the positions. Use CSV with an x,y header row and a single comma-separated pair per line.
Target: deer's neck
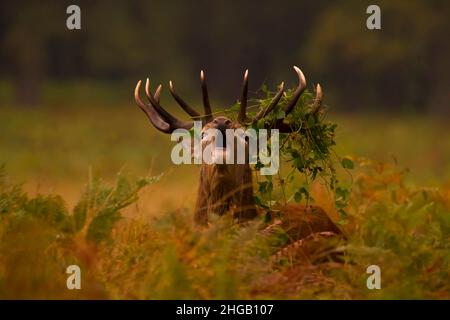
x,y
224,188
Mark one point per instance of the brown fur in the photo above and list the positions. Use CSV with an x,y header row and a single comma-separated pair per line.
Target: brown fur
x,y
225,188
228,188
301,221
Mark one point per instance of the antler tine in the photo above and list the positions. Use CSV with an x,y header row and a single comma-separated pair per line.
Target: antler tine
x,y
173,122
151,113
155,104
298,92
271,106
242,117
207,107
318,99
182,103
157,95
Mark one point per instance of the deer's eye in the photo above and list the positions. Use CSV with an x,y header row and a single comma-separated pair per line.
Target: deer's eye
x,y
204,135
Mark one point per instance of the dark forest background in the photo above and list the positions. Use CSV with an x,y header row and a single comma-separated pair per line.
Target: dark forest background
x,y
404,67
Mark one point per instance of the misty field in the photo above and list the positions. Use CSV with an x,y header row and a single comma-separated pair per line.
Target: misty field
x,y
94,186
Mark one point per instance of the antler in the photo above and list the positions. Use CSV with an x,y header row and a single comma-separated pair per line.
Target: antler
x,y
298,92
317,100
261,114
163,120
207,117
183,104
279,124
242,117
167,123
207,107
160,118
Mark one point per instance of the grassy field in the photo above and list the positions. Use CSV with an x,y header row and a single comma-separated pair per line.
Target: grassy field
x,y
398,219
53,149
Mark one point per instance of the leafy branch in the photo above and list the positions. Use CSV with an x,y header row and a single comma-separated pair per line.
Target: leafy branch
x,y
308,151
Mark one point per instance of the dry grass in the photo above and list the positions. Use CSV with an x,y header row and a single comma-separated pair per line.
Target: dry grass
x,y
157,252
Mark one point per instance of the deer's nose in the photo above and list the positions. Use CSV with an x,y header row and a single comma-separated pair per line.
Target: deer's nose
x,y
222,123
221,126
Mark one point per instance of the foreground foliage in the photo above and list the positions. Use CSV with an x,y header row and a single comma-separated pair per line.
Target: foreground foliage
x,y
405,230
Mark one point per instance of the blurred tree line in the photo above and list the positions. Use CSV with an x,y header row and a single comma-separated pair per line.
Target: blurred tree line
x,y
404,66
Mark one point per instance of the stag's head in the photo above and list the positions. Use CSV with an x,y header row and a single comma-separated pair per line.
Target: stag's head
x,y
222,187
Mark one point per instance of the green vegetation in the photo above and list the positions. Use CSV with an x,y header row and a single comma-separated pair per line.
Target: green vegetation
x,y
306,153
405,231
151,249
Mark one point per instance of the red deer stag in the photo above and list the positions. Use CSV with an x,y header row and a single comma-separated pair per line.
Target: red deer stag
x,y
228,187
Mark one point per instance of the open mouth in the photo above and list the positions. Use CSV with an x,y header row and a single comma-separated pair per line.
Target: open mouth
x,y
221,140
